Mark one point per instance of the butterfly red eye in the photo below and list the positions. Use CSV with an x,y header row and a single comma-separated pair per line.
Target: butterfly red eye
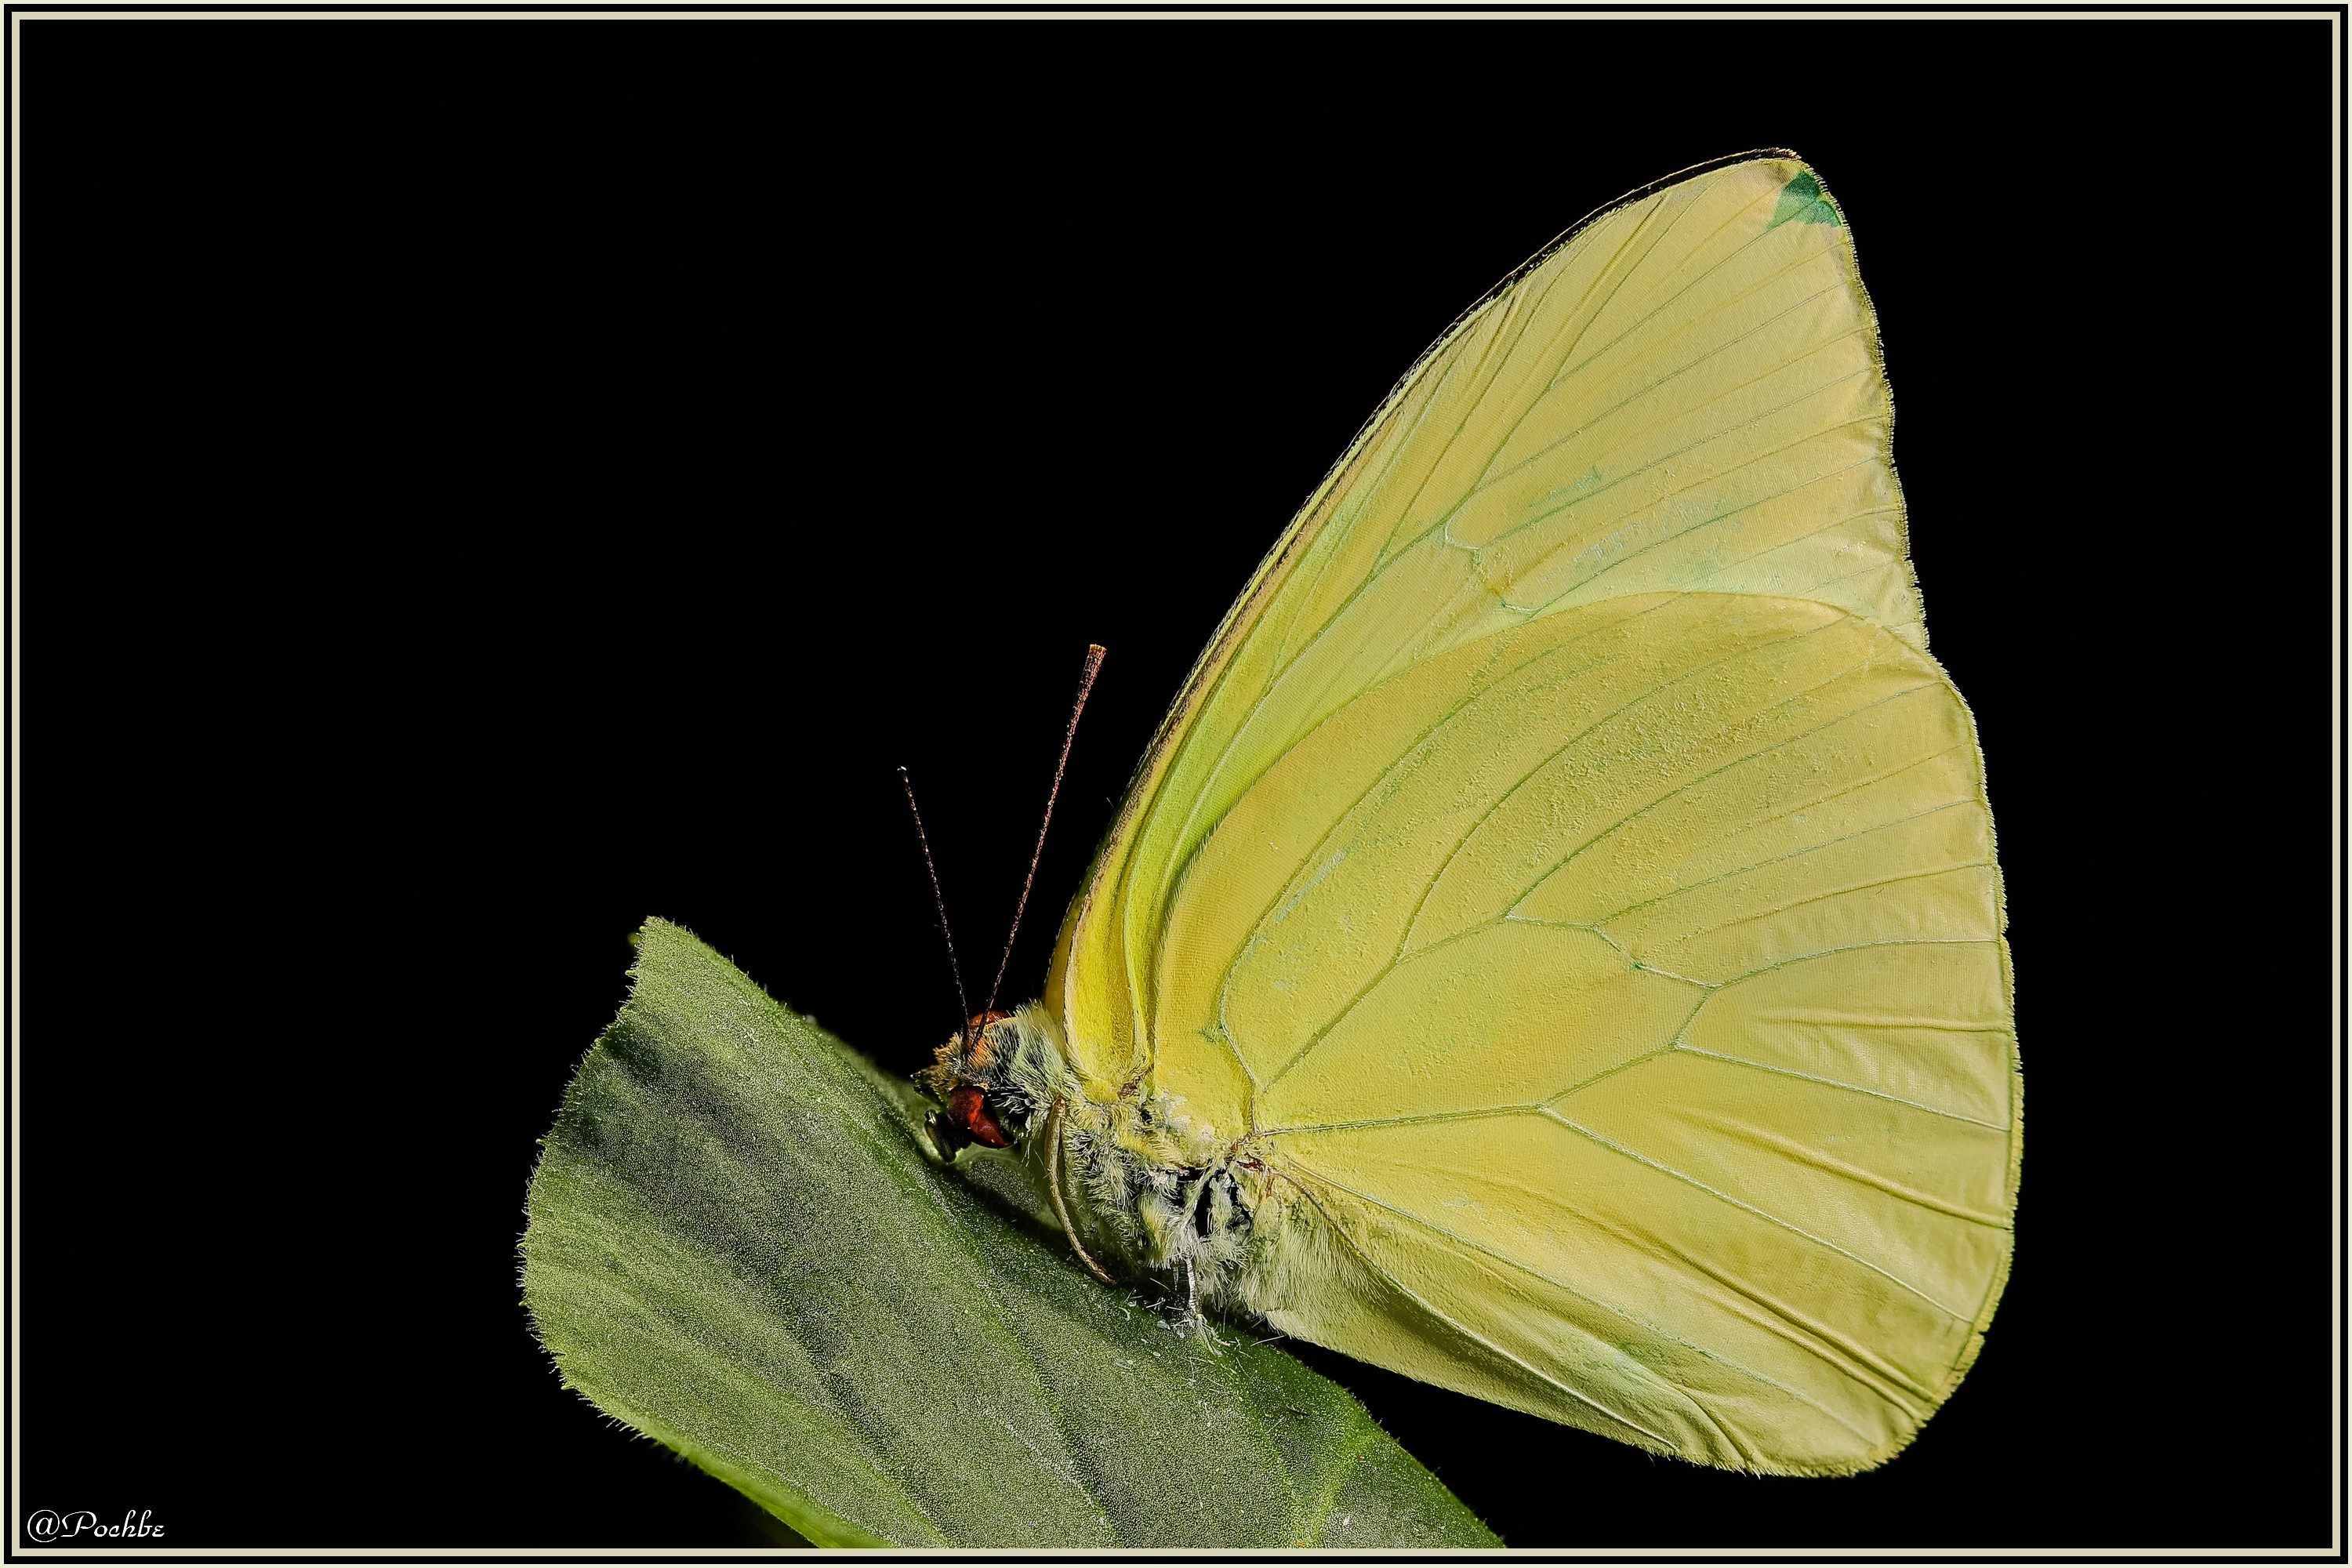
x,y
968,1108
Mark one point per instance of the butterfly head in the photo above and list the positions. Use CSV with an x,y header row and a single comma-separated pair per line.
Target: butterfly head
x,y
985,1079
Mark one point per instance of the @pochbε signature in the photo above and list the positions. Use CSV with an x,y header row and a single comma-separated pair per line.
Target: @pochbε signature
x,y
47,1524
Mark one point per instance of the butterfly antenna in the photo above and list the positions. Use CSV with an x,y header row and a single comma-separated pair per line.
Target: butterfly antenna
x,y
1085,684
963,1007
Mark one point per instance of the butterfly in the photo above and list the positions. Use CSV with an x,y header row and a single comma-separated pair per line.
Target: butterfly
x,y
1553,947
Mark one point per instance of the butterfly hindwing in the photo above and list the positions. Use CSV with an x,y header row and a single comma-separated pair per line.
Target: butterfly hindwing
x,y
1569,867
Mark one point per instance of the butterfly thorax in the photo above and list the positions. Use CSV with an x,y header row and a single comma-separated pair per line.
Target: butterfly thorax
x,y
1158,1190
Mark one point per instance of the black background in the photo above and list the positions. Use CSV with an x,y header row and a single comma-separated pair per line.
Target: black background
x,y
484,483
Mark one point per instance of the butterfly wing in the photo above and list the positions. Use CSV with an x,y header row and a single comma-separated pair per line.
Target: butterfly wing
x,y
1568,862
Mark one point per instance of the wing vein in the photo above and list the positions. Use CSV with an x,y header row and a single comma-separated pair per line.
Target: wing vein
x,y
1404,943
1687,1048
1668,417
1808,805
1801,1339
1764,1214
1792,855
1464,1329
1822,897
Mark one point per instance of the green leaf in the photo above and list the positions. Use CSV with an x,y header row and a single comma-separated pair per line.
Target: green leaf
x,y
741,1245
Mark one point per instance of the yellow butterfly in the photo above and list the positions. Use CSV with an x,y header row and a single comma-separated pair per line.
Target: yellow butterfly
x,y
1553,949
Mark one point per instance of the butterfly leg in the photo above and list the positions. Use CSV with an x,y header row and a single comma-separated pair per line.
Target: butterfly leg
x,y
1054,1185
1195,1319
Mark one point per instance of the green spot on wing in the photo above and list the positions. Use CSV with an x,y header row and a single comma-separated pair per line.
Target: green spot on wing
x,y
1802,200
